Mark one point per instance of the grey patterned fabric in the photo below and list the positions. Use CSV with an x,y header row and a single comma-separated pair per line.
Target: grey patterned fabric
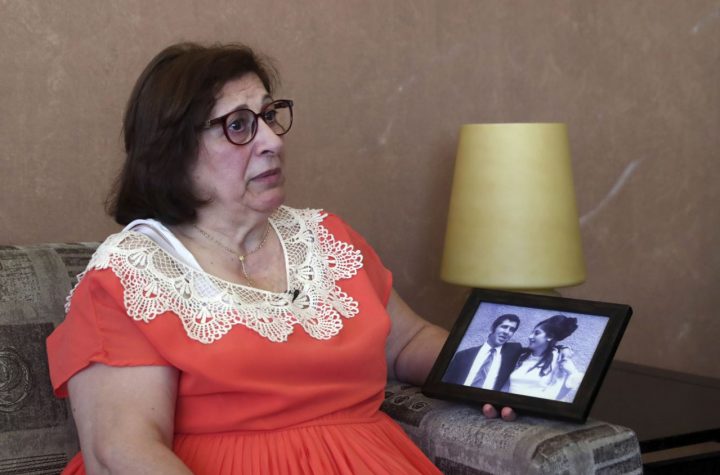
x,y
37,433
460,440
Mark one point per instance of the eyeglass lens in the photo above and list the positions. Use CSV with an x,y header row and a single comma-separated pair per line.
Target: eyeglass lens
x,y
241,125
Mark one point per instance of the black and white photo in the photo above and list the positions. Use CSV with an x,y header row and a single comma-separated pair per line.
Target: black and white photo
x,y
543,354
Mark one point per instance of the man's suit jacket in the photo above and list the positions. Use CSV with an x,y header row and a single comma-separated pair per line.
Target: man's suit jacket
x,y
460,365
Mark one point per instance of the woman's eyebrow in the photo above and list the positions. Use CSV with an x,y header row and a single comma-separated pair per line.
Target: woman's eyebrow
x,y
267,99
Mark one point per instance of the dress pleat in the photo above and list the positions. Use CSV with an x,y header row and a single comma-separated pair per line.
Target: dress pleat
x,y
374,447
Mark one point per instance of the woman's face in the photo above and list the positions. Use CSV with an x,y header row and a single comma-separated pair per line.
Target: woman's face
x,y
240,178
538,340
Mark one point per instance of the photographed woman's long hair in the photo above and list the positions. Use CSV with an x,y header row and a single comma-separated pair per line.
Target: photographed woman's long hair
x,y
557,327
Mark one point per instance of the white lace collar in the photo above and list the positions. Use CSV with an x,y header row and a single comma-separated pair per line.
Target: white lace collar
x,y
155,282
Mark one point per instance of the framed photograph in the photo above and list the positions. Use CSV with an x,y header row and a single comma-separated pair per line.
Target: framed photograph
x,y
537,354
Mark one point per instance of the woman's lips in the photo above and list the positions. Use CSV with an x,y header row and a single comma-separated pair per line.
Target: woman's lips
x,y
270,175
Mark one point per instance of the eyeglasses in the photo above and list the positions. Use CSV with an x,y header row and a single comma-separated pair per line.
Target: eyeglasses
x,y
241,125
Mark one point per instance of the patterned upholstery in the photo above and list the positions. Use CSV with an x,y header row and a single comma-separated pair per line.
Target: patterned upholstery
x,y
37,434
461,441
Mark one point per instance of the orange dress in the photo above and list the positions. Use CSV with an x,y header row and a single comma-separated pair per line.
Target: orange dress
x,y
289,391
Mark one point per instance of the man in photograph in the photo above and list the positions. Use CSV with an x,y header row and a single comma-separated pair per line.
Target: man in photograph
x,y
489,365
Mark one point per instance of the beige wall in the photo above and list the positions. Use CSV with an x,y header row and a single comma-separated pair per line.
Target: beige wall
x,y
382,87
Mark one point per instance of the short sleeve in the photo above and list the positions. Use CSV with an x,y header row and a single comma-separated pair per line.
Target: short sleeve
x,y
97,329
380,277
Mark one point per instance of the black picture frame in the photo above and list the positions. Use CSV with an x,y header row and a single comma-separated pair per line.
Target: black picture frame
x,y
599,328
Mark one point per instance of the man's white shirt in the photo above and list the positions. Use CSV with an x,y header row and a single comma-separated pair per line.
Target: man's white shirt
x,y
489,382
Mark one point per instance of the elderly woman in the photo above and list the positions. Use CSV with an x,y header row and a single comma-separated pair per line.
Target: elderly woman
x,y
545,369
222,332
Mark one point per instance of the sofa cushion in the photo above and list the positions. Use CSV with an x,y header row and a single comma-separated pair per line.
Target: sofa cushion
x,y
37,433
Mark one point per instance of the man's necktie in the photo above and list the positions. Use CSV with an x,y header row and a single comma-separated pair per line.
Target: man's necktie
x,y
484,369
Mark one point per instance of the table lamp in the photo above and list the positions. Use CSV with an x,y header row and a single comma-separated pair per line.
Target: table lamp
x,y
513,222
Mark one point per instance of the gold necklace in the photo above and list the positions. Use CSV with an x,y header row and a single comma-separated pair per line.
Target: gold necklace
x,y
240,257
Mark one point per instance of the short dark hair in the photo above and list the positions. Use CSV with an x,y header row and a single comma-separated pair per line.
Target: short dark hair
x,y
508,316
175,92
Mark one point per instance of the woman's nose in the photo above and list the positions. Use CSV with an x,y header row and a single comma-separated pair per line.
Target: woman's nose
x,y
266,137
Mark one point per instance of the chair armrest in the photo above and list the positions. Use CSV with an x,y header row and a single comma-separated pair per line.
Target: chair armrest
x,y
460,440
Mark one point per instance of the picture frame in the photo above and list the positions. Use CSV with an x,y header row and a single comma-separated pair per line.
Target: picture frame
x,y
541,364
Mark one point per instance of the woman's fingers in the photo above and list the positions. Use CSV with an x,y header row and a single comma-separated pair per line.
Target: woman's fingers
x,y
489,411
507,413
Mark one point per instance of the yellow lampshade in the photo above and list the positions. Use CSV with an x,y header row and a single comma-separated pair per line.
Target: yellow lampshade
x,y
513,221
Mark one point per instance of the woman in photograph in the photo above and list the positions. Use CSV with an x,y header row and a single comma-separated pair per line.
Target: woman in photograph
x,y
545,369
222,332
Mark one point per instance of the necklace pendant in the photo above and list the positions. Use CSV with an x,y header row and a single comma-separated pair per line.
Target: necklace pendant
x,y
241,258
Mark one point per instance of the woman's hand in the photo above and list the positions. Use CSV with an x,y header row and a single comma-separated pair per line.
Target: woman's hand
x,y
573,376
125,418
565,351
565,361
507,413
